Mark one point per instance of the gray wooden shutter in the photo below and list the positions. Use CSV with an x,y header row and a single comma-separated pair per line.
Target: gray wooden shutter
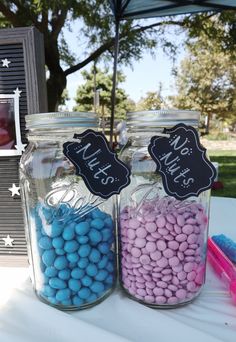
x,y
24,48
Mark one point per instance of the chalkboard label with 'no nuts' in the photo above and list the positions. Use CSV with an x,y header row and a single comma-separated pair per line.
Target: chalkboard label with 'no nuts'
x,y
182,162
103,173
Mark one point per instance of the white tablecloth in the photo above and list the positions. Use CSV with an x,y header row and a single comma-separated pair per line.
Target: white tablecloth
x,y
211,317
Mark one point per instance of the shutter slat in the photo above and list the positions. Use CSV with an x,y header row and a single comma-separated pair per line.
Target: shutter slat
x,y
10,207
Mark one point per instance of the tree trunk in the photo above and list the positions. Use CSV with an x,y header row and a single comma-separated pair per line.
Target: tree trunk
x,y
55,86
57,79
207,129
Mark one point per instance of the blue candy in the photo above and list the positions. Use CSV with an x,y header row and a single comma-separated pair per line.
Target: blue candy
x,y
52,300
108,222
106,234
66,302
95,256
56,229
89,220
86,281
48,291
111,256
84,251
45,242
72,265
84,293
96,213
76,255
71,246
64,274
110,267
91,270
73,257
102,263
38,222
69,232
77,273
91,298
77,301
97,287
51,271
47,212
74,284
57,283
83,263
103,247
101,275
46,279
60,251
82,228
82,239
97,223
49,257
109,280
60,263
62,295
95,236
58,242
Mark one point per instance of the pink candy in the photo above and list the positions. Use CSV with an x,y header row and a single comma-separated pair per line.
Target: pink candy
x,y
151,227
161,252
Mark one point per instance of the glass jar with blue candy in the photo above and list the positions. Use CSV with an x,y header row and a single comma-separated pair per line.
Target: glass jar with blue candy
x,y
69,230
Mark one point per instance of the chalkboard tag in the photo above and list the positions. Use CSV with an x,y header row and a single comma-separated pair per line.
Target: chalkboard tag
x,y
182,162
103,173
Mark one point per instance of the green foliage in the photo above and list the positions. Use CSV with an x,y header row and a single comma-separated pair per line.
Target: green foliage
x,y
64,97
218,28
151,101
206,80
96,31
227,172
102,82
96,34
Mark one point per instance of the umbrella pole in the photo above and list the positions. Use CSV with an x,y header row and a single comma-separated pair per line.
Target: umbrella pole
x,y
113,93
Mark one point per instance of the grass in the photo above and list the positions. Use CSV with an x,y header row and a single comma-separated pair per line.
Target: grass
x,y
227,172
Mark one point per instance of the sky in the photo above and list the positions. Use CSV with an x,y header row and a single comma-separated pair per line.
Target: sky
x,y
145,75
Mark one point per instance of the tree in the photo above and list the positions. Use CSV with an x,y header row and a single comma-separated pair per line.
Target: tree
x,y
219,28
206,80
151,101
101,81
96,33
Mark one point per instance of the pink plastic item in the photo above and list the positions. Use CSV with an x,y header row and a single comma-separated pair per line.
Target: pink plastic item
x,y
223,267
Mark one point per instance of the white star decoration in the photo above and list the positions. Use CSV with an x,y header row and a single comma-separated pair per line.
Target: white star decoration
x,y
20,147
17,91
14,190
5,62
8,241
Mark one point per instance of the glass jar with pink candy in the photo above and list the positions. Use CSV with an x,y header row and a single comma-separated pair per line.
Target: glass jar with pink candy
x,y
163,213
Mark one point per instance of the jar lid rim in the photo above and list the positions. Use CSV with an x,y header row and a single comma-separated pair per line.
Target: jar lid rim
x,y
59,119
162,117
164,112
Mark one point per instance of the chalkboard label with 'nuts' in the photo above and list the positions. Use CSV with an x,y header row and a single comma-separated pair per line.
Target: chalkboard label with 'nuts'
x,y
182,162
103,173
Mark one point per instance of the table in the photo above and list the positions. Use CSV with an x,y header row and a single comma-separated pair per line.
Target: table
x,y
211,317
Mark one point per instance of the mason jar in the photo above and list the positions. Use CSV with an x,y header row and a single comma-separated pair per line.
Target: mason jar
x,y
162,240
69,231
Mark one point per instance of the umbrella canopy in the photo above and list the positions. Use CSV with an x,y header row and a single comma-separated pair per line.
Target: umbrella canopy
x,y
131,9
